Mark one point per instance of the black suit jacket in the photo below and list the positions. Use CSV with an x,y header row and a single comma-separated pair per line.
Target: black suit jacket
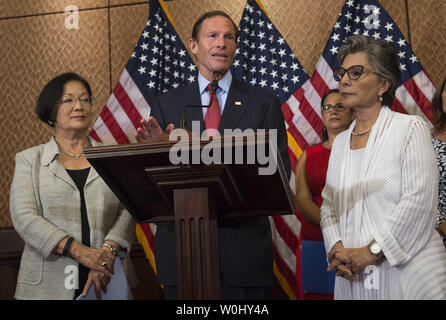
x,y
245,244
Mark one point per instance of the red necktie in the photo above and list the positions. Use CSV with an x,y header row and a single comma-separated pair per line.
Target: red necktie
x,y
212,119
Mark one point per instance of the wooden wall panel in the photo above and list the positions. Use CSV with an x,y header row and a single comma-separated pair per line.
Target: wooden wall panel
x,y
128,2
126,25
18,8
428,34
305,25
34,50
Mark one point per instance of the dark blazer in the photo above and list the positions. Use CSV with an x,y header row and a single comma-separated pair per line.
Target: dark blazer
x,y
245,244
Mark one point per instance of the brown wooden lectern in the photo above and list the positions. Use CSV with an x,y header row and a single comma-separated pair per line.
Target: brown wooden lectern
x,y
195,195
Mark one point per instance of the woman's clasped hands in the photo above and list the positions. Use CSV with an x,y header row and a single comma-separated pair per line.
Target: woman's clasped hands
x,y
347,262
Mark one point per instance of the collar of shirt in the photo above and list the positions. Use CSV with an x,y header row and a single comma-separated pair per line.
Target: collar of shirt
x,y
222,92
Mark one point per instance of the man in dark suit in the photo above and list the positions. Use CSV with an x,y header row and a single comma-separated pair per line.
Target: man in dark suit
x,y
245,244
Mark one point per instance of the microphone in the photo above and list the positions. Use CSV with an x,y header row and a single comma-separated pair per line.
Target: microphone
x,y
214,87
183,114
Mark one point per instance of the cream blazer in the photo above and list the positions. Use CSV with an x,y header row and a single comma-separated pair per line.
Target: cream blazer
x,y
45,208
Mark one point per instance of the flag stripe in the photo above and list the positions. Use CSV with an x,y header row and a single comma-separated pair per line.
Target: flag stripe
x,y
293,159
285,269
424,83
134,94
292,126
94,135
421,101
313,102
398,107
306,112
113,126
102,131
127,105
319,85
325,73
286,233
149,235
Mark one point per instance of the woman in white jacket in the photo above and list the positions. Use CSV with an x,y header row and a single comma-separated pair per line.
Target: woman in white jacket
x,y
379,203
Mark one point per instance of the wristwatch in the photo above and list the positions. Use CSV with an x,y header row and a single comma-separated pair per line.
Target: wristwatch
x,y
375,249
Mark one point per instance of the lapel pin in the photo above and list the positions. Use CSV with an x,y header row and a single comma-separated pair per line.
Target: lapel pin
x,y
238,103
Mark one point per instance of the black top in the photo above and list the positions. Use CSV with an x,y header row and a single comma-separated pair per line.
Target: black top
x,y
80,178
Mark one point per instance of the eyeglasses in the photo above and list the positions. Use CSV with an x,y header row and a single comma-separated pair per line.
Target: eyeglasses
x,y
354,72
70,100
329,108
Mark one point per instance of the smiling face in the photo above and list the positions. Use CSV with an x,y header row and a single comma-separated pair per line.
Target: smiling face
x,y
336,120
365,91
75,111
215,47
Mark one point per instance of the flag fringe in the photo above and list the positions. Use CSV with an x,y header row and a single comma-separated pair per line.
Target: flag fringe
x,y
146,247
283,282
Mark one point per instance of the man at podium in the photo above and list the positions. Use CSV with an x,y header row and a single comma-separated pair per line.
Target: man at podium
x,y
245,244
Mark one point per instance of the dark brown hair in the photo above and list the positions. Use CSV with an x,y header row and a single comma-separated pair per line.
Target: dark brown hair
x,y
48,101
324,130
437,110
197,25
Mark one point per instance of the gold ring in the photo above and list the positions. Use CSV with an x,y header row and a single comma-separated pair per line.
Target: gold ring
x,y
104,264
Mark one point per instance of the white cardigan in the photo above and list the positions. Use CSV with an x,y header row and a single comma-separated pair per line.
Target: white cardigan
x,y
397,194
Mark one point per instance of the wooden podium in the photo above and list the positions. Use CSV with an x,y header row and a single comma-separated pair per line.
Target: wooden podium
x,y
195,195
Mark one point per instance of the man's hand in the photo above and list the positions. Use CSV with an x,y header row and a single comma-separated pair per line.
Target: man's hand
x,y
150,131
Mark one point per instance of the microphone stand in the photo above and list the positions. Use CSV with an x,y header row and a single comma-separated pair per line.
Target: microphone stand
x,y
214,86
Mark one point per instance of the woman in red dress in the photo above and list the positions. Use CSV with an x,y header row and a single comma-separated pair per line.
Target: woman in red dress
x,y
312,169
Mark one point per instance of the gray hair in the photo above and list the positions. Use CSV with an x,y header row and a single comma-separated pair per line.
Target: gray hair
x,y
382,57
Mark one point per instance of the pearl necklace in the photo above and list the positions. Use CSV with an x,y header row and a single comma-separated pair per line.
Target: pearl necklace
x,y
361,133
72,155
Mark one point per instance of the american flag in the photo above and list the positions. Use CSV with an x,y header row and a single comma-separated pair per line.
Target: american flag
x,y
158,63
264,59
368,17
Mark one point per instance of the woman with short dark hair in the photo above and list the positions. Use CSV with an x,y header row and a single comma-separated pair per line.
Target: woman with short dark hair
x,y
379,202
312,168
62,209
